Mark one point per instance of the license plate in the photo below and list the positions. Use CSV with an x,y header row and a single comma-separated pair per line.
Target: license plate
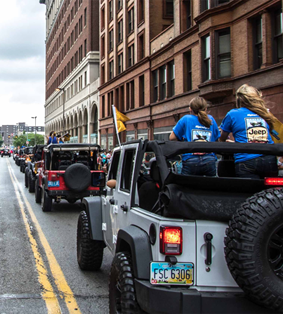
x,y
165,274
53,184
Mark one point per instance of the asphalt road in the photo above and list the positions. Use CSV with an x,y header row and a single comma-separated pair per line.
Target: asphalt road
x,y
39,270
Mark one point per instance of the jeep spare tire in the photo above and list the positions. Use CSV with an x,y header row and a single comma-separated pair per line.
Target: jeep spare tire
x,y
77,177
254,248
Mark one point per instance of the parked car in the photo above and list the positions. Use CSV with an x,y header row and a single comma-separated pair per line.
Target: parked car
x,y
70,172
167,232
5,152
33,167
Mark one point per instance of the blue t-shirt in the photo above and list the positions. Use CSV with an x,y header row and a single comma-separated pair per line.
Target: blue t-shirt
x,y
190,129
53,141
247,127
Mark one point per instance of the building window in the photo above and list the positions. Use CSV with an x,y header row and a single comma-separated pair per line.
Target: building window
x,y
102,18
204,5
140,11
120,31
130,20
111,70
188,71
120,63
103,106
163,82
169,8
187,14
111,40
102,48
85,78
141,47
171,79
110,103
120,4
102,78
223,53
110,10
85,16
155,85
130,95
85,47
131,60
206,58
141,90
257,27
278,36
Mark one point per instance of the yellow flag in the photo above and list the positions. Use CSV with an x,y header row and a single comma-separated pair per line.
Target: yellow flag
x,y
278,127
121,118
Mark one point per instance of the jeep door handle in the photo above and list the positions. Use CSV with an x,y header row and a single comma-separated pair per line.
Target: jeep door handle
x,y
207,238
112,201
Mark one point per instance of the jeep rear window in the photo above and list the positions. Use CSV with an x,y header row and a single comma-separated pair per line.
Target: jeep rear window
x,y
127,170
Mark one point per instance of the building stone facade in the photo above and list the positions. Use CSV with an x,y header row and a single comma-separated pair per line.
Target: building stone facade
x,y
72,68
155,56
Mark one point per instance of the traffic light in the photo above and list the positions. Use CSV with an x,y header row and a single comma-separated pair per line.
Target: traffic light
x,y
9,136
16,136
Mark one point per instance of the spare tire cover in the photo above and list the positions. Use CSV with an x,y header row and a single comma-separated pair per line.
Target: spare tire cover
x,y
77,177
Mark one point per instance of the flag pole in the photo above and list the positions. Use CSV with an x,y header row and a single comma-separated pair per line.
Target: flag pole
x,y
115,122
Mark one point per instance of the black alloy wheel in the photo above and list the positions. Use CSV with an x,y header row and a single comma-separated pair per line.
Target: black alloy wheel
x,y
89,251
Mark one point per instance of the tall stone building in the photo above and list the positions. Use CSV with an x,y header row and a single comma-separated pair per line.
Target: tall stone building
x,y
72,68
155,56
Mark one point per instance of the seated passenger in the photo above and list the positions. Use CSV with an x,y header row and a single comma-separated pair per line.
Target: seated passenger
x,y
197,127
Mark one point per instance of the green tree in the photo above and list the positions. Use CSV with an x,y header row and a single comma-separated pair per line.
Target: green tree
x,y
22,139
1,141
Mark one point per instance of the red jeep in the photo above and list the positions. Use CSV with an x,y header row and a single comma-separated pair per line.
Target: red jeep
x,y
69,171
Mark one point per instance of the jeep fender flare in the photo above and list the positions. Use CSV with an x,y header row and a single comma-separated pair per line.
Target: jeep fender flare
x,y
93,208
136,242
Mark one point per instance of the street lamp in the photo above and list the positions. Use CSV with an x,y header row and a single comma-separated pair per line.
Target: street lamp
x,y
58,89
34,129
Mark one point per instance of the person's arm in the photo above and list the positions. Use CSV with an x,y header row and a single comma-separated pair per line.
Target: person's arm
x,y
173,137
223,137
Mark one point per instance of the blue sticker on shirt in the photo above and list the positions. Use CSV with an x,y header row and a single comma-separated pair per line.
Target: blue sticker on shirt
x,y
201,135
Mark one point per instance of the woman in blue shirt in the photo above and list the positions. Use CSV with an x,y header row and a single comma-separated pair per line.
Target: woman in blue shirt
x,y
250,123
197,127
52,139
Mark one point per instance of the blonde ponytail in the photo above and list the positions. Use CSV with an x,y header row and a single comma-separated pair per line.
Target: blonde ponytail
x,y
199,106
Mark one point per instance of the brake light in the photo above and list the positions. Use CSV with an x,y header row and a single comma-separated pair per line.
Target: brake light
x,y
54,177
171,240
273,181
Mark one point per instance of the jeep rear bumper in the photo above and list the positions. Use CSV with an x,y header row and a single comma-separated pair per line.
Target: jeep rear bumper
x,y
157,299
72,195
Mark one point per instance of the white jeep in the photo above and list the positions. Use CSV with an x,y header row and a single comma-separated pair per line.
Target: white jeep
x,y
186,244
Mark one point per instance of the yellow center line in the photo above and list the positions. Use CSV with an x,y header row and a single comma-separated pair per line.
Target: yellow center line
x,y
57,273
48,294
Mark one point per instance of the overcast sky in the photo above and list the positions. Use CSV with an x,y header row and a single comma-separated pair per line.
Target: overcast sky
x,y
22,61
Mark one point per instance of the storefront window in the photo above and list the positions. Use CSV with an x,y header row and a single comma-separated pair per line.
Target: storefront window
x,y
143,134
103,141
130,136
110,141
162,134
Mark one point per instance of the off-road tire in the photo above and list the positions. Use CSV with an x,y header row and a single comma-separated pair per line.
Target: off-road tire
x,y
26,178
122,294
89,252
31,182
77,178
254,248
46,201
37,192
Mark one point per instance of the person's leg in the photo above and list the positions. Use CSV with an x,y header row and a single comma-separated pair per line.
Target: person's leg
x,y
190,166
247,169
267,166
208,166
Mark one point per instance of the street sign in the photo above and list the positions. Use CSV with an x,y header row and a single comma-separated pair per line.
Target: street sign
x,y
29,140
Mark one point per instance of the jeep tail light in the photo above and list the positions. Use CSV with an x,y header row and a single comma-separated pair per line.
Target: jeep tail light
x,y
53,177
171,240
273,181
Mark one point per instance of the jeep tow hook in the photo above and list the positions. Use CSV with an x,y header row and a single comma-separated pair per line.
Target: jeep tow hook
x,y
207,238
124,208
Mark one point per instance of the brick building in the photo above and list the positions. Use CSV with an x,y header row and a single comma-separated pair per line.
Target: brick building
x,y
157,55
72,68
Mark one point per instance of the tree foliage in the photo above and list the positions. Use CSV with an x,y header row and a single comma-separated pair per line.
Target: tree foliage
x,y
22,139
